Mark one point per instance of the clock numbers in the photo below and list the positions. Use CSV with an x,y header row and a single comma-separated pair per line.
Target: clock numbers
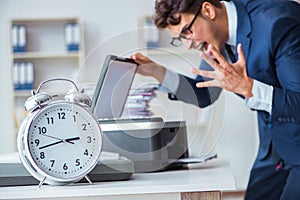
x,y
77,162
42,130
65,167
89,139
37,142
61,115
52,162
84,127
42,155
74,118
86,152
50,120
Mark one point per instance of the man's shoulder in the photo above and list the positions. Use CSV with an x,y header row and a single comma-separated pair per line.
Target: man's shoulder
x,y
269,12
285,7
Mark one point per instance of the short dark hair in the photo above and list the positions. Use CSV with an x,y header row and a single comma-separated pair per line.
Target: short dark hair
x,y
165,10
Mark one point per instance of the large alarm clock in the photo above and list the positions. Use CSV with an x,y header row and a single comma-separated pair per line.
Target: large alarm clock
x,y
60,141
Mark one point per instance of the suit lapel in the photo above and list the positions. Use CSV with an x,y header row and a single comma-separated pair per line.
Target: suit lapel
x,y
243,27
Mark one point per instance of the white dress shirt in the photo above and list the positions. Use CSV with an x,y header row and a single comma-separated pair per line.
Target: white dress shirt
x,y
262,93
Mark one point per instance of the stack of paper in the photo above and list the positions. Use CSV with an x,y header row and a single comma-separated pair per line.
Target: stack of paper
x,y
137,104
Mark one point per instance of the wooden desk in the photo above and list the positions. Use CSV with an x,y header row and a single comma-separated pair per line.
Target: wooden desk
x,y
202,181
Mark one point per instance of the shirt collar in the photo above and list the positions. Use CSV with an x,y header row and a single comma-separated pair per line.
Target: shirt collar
x,y
232,22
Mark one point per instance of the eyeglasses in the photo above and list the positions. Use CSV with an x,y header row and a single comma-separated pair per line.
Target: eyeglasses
x,y
186,33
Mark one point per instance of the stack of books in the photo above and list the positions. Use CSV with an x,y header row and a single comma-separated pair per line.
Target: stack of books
x,y
137,104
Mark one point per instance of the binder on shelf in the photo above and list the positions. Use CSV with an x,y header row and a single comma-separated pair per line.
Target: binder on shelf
x,y
29,76
22,38
151,34
76,36
19,38
15,38
16,76
23,75
72,36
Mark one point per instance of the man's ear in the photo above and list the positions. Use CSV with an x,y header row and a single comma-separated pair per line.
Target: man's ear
x,y
208,11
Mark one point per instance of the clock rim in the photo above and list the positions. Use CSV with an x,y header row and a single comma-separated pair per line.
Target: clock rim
x,y
29,162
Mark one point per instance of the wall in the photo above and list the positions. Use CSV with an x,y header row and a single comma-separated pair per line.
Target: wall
x,y
111,27
7,138
102,19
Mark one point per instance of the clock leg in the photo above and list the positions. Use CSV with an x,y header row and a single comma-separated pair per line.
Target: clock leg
x,y
41,183
88,179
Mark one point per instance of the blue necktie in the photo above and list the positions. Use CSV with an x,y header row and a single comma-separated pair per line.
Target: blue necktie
x,y
230,53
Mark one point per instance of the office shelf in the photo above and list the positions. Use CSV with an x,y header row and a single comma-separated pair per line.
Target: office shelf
x,y
47,50
46,55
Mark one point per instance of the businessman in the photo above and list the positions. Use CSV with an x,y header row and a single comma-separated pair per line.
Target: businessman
x,y
253,49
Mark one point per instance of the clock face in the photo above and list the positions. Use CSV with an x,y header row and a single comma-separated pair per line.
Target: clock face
x,y
64,141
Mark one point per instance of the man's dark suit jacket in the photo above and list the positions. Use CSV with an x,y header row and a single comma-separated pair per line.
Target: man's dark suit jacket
x,y
269,32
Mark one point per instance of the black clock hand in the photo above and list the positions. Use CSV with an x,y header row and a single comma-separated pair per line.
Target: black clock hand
x,y
48,145
61,141
72,139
